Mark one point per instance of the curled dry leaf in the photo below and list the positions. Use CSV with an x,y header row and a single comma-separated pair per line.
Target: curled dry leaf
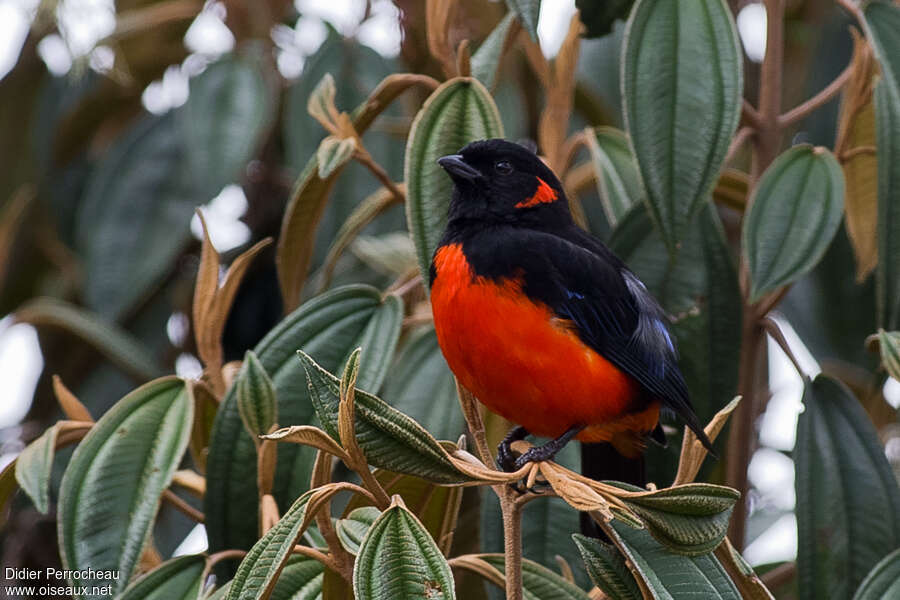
x,y
212,304
309,436
439,16
69,403
266,456
268,513
560,90
693,452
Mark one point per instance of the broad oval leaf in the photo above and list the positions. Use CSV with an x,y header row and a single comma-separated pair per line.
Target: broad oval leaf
x,y
851,516
682,83
388,438
135,216
111,489
883,581
301,579
398,559
672,576
328,327
618,180
796,211
176,579
225,115
458,112
255,396
422,386
689,519
539,582
352,529
882,20
486,60
607,569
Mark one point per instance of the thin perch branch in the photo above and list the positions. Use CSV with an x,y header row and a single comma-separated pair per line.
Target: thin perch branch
x,y
182,506
740,138
830,91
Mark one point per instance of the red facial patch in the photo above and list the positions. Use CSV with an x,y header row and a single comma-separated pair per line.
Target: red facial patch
x,y
544,195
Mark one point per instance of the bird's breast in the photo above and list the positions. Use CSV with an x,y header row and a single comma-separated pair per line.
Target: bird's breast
x,y
517,356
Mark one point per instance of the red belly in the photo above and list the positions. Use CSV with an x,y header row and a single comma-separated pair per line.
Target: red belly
x,y
526,364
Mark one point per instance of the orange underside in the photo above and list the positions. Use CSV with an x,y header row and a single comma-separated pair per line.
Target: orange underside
x,y
529,366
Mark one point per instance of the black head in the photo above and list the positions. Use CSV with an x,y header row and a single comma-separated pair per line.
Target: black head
x,y
497,180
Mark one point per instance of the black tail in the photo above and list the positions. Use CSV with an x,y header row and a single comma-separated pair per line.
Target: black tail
x,y
602,462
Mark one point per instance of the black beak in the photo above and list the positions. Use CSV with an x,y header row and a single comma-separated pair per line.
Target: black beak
x,y
458,168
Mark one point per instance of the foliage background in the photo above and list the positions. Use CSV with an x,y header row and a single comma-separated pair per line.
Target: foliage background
x,y
107,155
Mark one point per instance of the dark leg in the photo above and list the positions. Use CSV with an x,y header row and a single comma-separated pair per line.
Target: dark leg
x,y
505,459
548,450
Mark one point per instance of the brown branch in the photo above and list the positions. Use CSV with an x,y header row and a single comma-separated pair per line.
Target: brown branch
x,y
363,156
476,425
512,541
768,142
769,302
325,559
774,330
740,138
852,8
750,114
823,97
182,506
854,152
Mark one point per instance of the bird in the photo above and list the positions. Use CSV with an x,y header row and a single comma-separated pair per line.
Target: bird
x,y
544,324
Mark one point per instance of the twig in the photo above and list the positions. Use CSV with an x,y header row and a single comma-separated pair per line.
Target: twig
x,y
774,330
740,138
854,152
476,424
182,506
830,91
765,306
512,541
780,575
325,559
363,156
750,114
768,142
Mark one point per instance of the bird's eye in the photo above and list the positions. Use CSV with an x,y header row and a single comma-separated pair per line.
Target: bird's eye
x,y
502,167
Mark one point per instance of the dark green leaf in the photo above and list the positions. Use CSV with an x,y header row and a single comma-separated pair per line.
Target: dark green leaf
x,y
618,180
329,327
682,83
225,115
539,582
176,579
795,213
398,559
486,59
528,12
135,216
599,17
423,387
353,528
255,396
33,468
672,576
388,438
851,503
883,581
607,569
111,490
301,579
458,112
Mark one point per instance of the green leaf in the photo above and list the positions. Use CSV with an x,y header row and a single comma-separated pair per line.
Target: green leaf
x,y
882,21
301,579
176,579
607,569
671,576
34,466
851,515
353,528
422,386
682,82
528,12
889,346
259,570
795,213
689,519
388,438
378,341
223,120
333,154
134,218
883,581
599,17
111,489
458,112
329,327
255,396
539,582
398,559
486,60
117,345
618,180
391,253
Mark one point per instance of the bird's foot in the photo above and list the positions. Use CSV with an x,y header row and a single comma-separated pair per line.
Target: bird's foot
x,y
546,451
505,459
